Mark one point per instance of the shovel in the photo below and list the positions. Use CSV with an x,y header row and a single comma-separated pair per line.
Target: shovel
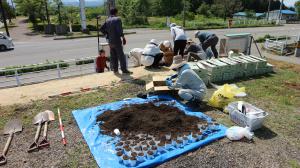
x,y
45,142
38,119
10,128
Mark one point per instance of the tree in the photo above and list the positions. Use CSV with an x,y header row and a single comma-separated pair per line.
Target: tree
x,y
34,9
250,13
297,7
229,6
204,9
8,10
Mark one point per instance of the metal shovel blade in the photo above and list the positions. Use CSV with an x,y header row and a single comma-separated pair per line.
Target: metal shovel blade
x,y
10,128
45,143
38,119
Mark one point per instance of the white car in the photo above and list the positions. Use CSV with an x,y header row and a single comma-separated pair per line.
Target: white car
x,y
5,42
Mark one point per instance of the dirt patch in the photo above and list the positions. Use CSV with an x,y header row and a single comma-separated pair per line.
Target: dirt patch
x,y
149,119
284,65
292,85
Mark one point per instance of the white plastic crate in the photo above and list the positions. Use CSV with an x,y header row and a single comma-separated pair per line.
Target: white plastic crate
x,y
253,118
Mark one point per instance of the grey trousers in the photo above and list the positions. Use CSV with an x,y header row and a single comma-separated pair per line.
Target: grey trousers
x,y
116,55
189,94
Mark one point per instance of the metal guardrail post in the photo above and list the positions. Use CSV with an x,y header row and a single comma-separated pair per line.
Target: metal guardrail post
x,y
58,71
17,77
95,64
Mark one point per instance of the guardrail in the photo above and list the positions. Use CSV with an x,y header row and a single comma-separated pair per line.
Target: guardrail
x,y
44,72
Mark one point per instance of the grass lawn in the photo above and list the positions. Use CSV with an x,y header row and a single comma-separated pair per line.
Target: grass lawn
x,y
277,144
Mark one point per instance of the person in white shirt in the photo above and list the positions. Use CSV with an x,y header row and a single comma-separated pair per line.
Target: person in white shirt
x,y
152,55
179,37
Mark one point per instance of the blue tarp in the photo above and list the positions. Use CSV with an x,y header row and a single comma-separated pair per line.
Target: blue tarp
x,y
102,146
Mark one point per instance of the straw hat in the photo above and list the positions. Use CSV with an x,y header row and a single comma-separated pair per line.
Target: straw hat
x,y
178,62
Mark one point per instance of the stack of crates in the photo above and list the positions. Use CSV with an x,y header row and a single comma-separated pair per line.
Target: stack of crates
x,y
228,71
238,67
250,66
200,70
214,71
262,67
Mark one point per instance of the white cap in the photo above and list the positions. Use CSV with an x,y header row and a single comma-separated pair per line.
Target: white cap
x,y
154,41
167,43
197,33
147,60
172,25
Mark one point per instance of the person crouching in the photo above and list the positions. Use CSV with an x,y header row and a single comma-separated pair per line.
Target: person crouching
x,y
101,62
191,87
166,48
152,55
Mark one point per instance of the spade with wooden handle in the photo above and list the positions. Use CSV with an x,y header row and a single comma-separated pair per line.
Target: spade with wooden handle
x,y
10,129
45,142
39,119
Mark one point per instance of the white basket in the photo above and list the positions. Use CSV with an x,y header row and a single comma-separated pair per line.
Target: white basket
x,y
253,118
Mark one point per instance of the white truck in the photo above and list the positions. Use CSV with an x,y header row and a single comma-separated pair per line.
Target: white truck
x,y
5,42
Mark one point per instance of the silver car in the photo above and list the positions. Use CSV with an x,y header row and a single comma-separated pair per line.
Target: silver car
x,y
5,42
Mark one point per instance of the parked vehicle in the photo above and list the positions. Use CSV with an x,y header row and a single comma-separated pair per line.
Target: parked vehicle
x,y
5,42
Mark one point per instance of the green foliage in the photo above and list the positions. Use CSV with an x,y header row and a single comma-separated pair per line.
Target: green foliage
x,y
34,9
250,13
8,10
93,12
297,8
134,12
31,68
204,9
82,62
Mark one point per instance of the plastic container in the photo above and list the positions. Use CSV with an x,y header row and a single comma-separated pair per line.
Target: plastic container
x,y
125,159
160,147
132,162
150,155
200,136
178,143
193,138
185,141
154,150
120,156
127,151
168,136
180,137
145,150
141,157
247,116
168,145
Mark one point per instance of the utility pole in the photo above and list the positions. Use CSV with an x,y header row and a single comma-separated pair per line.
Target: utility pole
x,y
280,14
4,18
82,14
47,12
269,6
184,10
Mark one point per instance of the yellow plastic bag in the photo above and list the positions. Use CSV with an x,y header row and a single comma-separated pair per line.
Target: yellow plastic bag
x,y
224,95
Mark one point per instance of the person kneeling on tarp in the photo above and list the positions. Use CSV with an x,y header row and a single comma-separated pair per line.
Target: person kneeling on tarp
x,y
191,87
151,55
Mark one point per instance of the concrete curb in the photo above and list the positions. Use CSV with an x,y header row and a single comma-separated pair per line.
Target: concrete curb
x,y
87,36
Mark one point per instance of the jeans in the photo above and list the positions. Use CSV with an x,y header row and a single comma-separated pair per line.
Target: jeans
x,y
117,54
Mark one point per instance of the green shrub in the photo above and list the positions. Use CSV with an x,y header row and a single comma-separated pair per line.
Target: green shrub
x,y
82,62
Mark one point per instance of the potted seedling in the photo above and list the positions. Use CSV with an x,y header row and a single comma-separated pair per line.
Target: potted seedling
x,y
120,155
185,141
154,150
125,160
141,157
178,143
128,151
160,146
168,145
150,155
132,161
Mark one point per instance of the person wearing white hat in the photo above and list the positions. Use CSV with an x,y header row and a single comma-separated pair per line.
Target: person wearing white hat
x,y
179,37
151,55
166,48
191,87
208,40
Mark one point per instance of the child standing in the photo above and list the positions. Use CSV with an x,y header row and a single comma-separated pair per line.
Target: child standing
x,y
101,62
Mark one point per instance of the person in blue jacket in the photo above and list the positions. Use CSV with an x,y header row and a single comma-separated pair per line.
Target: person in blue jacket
x,y
191,87
207,40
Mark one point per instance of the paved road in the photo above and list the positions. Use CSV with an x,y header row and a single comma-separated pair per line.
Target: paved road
x,y
41,49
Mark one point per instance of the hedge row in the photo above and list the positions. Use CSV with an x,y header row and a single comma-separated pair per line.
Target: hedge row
x,y
28,69
75,28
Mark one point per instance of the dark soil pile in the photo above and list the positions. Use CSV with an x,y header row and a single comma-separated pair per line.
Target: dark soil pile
x,y
148,119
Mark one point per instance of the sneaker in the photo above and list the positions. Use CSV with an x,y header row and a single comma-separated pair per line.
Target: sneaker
x,y
116,73
127,72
